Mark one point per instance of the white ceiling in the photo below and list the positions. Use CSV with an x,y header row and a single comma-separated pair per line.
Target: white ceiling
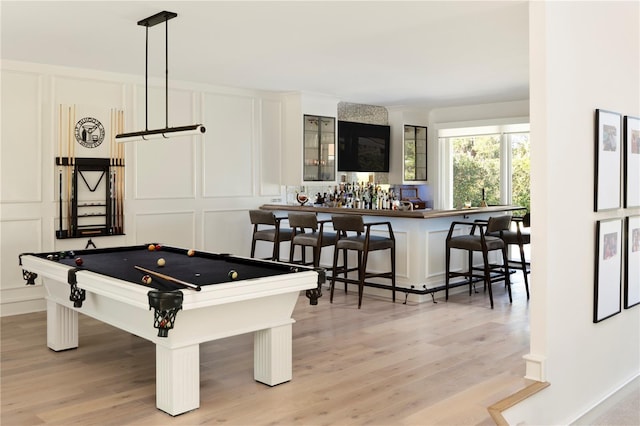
x,y
389,53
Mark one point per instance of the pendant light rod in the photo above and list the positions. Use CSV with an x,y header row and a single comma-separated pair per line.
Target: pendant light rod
x,y
167,132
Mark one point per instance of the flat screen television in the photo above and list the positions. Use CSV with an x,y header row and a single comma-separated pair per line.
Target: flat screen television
x,y
363,147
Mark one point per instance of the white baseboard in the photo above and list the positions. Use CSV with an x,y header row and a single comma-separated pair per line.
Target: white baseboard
x,y
22,307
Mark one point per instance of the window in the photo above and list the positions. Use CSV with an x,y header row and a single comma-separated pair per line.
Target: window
x,y
490,161
415,153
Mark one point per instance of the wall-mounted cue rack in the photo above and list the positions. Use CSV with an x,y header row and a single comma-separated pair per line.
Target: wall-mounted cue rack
x,y
90,203
90,190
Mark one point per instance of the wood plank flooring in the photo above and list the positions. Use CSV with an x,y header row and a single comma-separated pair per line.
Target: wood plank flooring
x,y
385,364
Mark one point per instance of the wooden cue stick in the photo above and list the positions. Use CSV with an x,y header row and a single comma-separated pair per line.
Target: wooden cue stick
x,y
69,171
72,135
112,170
116,170
60,136
121,175
168,278
60,169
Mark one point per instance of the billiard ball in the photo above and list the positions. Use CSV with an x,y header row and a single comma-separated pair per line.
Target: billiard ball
x,y
146,279
233,274
160,262
50,256
191,252
79,261
151,247
158,247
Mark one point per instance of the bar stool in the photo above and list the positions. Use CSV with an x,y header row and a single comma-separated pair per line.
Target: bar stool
x,y
350,229
482,243
273,233
306,234
519,238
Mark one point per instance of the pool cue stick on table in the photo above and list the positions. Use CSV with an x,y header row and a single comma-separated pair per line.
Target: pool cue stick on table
x,y
168,278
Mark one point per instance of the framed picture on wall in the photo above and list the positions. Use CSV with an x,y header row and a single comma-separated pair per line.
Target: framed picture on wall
x,y
608,156
631,161
608,271
632,264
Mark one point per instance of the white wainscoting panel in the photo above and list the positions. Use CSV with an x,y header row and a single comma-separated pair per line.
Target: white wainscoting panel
x,y
170,228
21,149
228,165
87,91
229,231
165,169
436,255
271,148
17,237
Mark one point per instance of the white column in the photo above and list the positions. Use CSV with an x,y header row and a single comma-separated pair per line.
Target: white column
x,y
178,379
272,353
62,327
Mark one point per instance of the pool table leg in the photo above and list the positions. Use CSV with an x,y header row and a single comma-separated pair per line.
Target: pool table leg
x,y
178,379
62,327
272,353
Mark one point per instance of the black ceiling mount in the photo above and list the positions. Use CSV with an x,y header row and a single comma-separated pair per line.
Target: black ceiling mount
x,y
156,19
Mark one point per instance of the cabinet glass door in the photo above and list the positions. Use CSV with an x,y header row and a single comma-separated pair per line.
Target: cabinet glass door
x,y
415,153
319,148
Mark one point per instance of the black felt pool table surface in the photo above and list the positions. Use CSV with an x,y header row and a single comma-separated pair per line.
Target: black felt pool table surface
x,y
202,268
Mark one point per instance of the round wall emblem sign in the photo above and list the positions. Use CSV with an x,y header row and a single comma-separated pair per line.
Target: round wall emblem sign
x,y
89,132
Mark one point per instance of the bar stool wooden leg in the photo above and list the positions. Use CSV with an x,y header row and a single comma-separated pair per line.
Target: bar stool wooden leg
x,y
507,278
487,276
446,273
362,268
334,273
524,270
393,272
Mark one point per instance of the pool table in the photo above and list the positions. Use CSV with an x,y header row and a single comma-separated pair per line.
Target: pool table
x,y
195,299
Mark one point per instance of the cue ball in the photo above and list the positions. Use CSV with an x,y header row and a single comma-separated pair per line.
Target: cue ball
x,y
191,252
233,274
146,279
79,261
161,262
151,247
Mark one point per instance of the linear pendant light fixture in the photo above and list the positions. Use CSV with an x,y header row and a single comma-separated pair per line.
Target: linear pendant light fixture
x,y
167,132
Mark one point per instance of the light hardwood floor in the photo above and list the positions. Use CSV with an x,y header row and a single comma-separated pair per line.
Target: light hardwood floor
x,y
386,364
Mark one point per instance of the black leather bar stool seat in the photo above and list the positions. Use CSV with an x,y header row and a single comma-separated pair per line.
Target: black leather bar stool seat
x,y
479,242
308,231
266,227
519,238
355,234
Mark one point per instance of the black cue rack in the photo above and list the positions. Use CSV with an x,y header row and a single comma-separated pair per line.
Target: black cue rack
x,y
90,197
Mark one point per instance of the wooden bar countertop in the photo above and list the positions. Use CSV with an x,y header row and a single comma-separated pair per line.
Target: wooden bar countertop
x,y
410,214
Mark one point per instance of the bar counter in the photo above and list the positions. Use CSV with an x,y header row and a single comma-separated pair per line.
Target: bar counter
x,y
410,214
420,245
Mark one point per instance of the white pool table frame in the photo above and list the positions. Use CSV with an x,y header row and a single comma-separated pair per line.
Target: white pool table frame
x,y
263,306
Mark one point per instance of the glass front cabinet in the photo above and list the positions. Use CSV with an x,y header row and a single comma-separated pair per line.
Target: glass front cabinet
x,y
415,153
319,148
